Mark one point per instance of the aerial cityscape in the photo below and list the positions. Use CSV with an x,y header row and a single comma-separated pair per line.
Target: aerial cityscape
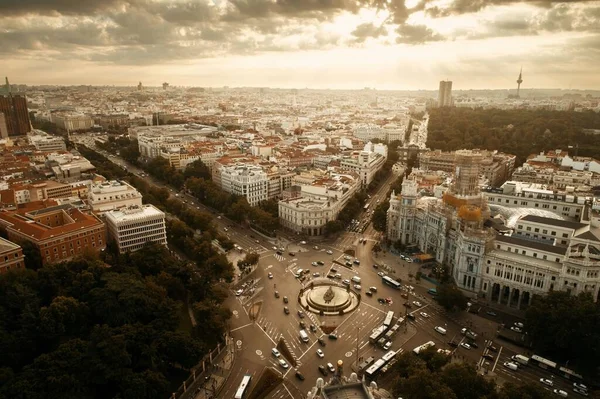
x,y
300,199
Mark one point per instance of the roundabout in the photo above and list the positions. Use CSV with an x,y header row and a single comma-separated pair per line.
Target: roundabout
x,y
328,298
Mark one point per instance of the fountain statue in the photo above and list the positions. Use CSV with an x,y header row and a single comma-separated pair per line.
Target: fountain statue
x,y
328,295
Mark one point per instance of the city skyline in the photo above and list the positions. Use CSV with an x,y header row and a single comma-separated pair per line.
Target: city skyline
x,y
398,45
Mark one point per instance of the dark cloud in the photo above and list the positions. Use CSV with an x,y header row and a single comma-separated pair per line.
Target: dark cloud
x,y
55,7
367,30
416,34
469,6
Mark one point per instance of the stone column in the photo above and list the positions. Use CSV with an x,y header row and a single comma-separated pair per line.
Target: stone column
x,y
519,300
501,293
510,293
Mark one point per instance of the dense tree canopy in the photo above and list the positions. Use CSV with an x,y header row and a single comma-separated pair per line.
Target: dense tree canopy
x,y
515,131
80,329
565,328
430,375
451,297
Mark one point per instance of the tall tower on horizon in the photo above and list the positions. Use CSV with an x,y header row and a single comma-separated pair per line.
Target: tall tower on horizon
x,y
519,81
445,94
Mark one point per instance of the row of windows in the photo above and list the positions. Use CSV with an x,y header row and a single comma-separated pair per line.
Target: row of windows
x,y
148,226
524,252
520,278
535,204
7,257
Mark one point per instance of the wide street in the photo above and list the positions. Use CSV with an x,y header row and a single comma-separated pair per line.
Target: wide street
x,y
255,338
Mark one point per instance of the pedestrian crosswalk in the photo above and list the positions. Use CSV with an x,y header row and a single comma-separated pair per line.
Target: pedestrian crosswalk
x,y
279,257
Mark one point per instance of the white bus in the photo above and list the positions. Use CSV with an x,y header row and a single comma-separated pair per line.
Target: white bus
x,y
243,388
426,345
389,317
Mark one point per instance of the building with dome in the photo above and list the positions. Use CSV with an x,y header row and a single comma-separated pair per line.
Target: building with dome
x,y
503,263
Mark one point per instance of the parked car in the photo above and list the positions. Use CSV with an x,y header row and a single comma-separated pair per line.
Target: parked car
x,y
329,252
320,353
424,315
333,336
275,352
417,304
301,314
302,325
323,370
465,345
330,367
276,294
346,282
490,313
285,299
286,310
516,329
561,393
489,357
321,342
239,292
369,293
299,376
270,275
292,253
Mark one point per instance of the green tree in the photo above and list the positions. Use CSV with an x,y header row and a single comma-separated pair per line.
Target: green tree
x,y
197,169
380,216
333,227
451,297
563,327
33,258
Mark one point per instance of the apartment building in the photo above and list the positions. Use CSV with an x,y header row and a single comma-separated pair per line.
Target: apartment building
x,y
57,232
528,195
72,122
321,201
45,142
366,163
110,195
496,167
132,227
246,180
11,256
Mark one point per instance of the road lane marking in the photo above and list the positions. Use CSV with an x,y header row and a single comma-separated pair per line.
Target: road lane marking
x,y
239,328
497,357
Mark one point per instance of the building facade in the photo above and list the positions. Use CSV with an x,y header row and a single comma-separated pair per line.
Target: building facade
x,y
110,195
131,228
445,94
58,232
535,255
11,256
16,114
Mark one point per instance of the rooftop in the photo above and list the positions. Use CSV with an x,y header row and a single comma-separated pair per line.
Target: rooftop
x,y
531,244
553,222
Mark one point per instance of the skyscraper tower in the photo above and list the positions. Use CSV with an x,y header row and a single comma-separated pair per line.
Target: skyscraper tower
x,y
519,81
16,114
445,94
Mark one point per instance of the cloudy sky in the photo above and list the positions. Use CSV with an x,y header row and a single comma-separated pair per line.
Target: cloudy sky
x,y
385,44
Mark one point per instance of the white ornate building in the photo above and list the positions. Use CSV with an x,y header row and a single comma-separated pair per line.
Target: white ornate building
x,y
535,255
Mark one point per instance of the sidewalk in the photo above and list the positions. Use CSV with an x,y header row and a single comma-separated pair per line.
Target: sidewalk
x,y
209,384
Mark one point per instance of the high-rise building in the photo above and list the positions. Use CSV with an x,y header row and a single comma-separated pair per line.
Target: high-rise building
x,y
445,94
3,126
16,114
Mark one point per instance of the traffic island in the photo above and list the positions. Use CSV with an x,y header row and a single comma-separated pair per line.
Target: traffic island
x,y
327,298
268,380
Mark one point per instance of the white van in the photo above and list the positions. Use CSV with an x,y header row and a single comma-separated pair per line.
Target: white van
x,y
441,330
356,279
511,366
303,336
521,359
